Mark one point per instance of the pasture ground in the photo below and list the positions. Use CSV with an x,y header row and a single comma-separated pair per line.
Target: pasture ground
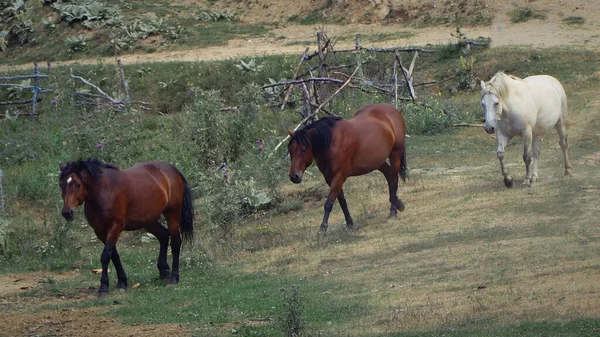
x,y
468,257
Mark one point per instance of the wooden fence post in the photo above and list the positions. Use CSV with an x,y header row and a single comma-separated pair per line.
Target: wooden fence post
x,y
1,195
395,81
357,51
124,82
36,89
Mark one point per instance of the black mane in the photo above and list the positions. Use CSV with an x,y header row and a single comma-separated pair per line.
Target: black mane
x,y
93,168
320,139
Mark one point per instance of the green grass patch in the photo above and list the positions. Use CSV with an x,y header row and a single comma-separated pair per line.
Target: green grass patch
x,y
573,20
523,14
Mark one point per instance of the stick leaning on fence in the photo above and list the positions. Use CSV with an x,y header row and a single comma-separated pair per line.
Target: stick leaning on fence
x,y
317,109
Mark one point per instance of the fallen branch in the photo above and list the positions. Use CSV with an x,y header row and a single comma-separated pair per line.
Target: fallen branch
x,y
29,101
102,93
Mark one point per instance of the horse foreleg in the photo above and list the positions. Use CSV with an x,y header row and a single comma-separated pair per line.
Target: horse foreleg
x,y
564,145
342,200
106,256
335,187
527,155
502,142
162,234
121,276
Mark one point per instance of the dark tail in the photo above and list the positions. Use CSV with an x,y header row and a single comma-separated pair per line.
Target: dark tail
x,y
403,167
186,223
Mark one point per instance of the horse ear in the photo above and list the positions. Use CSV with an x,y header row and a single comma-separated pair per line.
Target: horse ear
x,y
482,85
290,132
61,167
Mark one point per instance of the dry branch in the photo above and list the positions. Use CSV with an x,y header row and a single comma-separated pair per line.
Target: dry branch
x,y
289,89
102,93
308,80
316,110
469,125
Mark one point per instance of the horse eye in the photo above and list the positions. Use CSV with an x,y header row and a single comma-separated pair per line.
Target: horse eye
x,y
495,103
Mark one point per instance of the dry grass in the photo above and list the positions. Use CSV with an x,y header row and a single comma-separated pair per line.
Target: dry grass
x,y
466,250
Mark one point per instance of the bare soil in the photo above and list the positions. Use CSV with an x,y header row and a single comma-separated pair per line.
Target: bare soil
x,y
25,315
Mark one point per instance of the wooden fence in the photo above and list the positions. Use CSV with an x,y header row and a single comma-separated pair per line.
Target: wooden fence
x,y
36,89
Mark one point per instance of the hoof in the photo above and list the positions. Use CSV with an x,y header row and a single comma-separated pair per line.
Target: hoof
x,y
508,181
350,226
400,205
173,281
393,214
323,228
102,294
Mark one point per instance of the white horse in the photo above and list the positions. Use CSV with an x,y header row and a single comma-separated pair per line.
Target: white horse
x,y
528,108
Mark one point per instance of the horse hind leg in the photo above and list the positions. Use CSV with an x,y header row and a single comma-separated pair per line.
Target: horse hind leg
x,y
564,145
537,148
162,234
391,175
173,220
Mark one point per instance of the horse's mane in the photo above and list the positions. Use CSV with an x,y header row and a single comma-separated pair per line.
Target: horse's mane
x,y
93,168
499,84
320,138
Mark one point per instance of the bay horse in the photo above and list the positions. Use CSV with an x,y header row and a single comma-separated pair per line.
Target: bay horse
x,y
116,200
528,108
344,148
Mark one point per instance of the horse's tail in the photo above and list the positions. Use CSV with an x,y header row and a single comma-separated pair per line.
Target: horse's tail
x,y
403,167
186,222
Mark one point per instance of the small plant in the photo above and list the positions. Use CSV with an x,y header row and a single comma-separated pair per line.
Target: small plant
x,y
207,16
523,14
76,44
291,320
465,77
250,66
574,20
49,25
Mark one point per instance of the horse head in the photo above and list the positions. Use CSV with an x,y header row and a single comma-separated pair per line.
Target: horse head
x,y
301,153
73,190
492,107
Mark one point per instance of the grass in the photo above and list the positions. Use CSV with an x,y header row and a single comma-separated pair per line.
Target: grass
x,y
468,257
574,20
523,14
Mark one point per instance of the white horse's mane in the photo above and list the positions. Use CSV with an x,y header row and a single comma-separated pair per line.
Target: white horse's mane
x,y
499,84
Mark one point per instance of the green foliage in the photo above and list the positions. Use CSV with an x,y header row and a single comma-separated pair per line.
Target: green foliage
x,y
291,320
85,11
49,25
76,44
522,14
465,77
426,119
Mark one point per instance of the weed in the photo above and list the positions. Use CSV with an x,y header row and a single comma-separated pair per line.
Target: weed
x,y
291,320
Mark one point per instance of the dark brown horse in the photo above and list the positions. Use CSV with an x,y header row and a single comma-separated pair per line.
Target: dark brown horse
x,y
344,148
117,200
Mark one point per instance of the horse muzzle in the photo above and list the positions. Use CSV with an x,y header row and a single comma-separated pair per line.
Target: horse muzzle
x,y
296,178
489,130
68,215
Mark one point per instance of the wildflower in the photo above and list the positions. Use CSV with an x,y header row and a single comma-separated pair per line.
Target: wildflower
x,y
225,175
259,141
260,149
54,102
269,138
100,146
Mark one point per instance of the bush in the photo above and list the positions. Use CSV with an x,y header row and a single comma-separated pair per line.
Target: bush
x,y
291,320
